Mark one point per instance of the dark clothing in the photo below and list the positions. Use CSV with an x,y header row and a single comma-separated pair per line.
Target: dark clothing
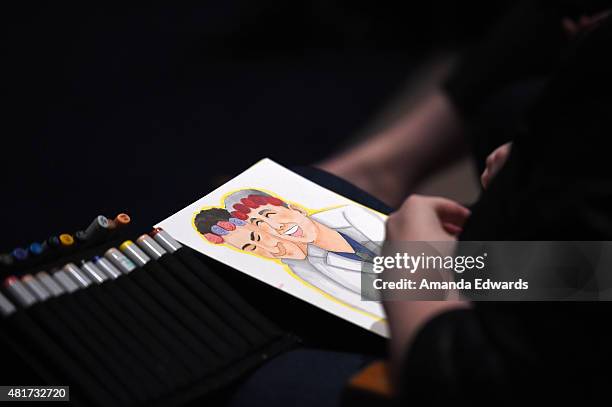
x,y
360,251
556,185
526,47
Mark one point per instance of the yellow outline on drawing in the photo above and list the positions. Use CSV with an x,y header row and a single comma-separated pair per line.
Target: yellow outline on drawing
x,y
279,261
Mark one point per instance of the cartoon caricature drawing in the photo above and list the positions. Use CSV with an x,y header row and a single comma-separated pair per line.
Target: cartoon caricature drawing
x,y
330,249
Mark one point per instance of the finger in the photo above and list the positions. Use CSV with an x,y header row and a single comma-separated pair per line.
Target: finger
x,y
494,168
452,229
500,153
497,157
451,212
504,150
498,164
495,162
484,178
489,160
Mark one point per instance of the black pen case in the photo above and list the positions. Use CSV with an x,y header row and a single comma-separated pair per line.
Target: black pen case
x,y
172,332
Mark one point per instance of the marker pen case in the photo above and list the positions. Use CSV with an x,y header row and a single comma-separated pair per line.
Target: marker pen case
x,y
172,332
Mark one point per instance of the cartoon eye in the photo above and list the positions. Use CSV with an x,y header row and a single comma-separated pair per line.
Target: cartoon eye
x,y
258,221
267,215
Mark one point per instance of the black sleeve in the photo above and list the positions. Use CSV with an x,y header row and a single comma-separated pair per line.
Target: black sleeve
x,y
508,354
556,186
500,78
452,359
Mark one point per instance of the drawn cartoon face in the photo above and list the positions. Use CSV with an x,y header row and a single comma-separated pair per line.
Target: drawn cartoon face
x,y
252,239
290,224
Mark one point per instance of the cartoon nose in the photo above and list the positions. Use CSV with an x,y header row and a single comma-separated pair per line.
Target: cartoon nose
x,y
270,223
268,242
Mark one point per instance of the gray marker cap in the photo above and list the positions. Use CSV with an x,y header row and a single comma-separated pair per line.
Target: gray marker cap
x,y
49,283
119,260
107,267
97,228
20,293
150,246
134,253
6,307
165,240
93,272
66,282
40,292
77,275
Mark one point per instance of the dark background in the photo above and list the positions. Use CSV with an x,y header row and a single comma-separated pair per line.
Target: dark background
x,y
145,109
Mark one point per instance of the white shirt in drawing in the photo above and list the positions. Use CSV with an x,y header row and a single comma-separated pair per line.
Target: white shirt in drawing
x,y
337,275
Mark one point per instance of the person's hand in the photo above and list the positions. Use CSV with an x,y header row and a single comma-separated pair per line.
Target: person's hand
x,y
495,162
426,218
419,219
584,23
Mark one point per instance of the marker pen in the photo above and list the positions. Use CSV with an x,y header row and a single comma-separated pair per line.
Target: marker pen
x,y
6,307
18,291
20,254
107,267
96,229
134,253
65,282
119,260
35,288
120,220
93,272
49,283
66,240
150,246
77,275
165,240
36,249
52,242
6,259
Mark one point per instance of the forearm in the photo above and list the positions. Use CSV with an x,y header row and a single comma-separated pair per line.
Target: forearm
x,y
426,138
